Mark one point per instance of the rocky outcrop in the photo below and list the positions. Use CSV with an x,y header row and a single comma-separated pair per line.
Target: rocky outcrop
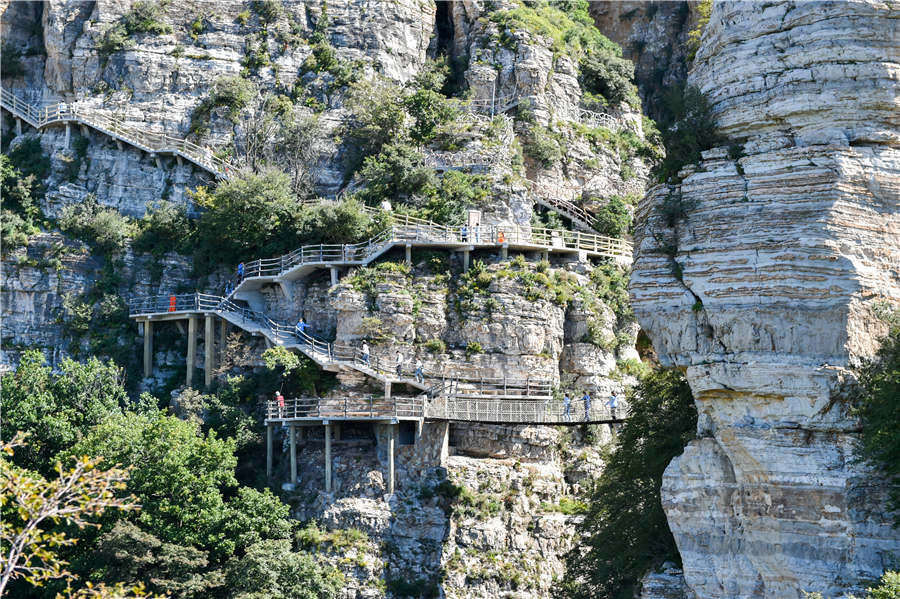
x,y
760,275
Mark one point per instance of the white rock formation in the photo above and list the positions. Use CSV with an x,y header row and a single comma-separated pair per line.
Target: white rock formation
x,y
765,290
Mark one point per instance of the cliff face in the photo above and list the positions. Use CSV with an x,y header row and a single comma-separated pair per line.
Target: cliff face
x,y
763,286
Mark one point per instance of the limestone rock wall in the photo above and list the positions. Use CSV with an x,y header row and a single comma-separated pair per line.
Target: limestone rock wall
x,y
760,275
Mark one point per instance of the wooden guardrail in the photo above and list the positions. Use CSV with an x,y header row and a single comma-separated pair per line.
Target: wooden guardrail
x,y
149,141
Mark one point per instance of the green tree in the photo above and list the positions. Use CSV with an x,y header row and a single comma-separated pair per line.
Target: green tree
x,y
625,529
379,116
249,216
178,475
691,129
57,410
613,219
878,409
272,569
20,208
397,171
429,110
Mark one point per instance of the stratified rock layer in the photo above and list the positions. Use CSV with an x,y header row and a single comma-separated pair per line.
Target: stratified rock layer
x,y
761,276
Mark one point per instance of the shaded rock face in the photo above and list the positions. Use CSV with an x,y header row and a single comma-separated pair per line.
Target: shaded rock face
x,y
652,35
762,283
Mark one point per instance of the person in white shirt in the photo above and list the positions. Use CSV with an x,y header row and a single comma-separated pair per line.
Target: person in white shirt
x,y
365,353
420,374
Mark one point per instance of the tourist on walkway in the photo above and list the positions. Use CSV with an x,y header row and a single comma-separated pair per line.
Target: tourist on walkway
x,y
228,289
567,407
587,406
420,374
240,272
279,399
365,353
613,401
386,205
399,364
476,234
464,233
301,330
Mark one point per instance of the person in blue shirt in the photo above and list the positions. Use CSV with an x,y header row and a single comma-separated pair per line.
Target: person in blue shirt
x,y
464,233
612,402
240,272
301,330
587,406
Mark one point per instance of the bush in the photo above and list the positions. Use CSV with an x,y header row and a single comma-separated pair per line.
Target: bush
x,y
429,110
703,8
268,10
879,412
143,17
692,129
108,230
232,92
20,210
164,228
609,75
472,348
625,529
613,219
436,346
397,171
542,146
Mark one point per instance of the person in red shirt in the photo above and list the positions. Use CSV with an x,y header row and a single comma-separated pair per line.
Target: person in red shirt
x,y
279,398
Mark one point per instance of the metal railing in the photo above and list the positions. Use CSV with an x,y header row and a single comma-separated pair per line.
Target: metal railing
x,y
345,408
148,141
510,411
325,352
486,410
360,254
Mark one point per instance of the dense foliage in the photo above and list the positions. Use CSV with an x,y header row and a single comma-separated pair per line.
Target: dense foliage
x,y
625,529
571,31
879,411
20,212
688,130
197,527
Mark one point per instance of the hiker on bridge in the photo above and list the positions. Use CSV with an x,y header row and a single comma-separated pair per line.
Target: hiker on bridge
x,y
464,233
587,406
420,374
386,205
228,289
365,353
612,402
240,272
567,407
400,364
279,399
301,330
476,234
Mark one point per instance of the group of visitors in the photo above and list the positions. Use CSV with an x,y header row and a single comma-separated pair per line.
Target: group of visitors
x,y
476,234
612,402
418,372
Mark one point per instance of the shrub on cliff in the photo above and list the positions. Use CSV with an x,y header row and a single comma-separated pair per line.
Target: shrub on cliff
x,y
689,128
625,530
879,411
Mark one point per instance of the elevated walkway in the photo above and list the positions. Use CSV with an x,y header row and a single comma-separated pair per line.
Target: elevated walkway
x,y
414,233
148,141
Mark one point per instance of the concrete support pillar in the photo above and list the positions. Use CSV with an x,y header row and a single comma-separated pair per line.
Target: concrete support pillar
x,y
68,134
334,275
465,260
293,438
178,159
504,251
191,349
119,145
545,255
337,431
387,389
420,423
84,130
209,343
392,443
159,163
18,127
327,457
269,434
148,348
409,254
223,335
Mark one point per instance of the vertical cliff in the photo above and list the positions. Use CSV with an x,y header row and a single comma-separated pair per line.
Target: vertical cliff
x,y
759,273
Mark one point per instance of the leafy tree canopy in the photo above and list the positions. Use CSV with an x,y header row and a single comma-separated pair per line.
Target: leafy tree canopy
x,y
625,529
